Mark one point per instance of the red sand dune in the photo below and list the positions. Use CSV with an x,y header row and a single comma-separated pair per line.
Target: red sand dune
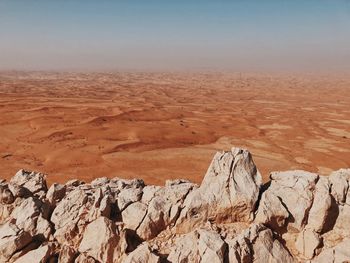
x,y
159,126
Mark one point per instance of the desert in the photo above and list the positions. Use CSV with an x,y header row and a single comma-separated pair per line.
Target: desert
x,y
161,126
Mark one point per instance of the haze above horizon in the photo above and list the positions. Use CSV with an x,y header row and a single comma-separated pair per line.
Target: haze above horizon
x,y
178,35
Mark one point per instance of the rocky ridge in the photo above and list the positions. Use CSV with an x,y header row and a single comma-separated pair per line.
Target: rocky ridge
x,y
231,217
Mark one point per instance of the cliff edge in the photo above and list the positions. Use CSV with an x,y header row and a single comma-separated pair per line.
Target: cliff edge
x,y
230,217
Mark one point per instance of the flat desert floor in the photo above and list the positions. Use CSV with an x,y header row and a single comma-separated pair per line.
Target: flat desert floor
x,y
160,126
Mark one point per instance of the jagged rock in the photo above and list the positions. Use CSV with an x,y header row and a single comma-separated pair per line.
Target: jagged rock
x,y
321,206
134,214
128,196
298,216
257,244
79,207
100,240
295,190
12,239
85,259
56,193
6,196
228,193
337,254
39,255
307,242
340,185
67,254
163,209
29,215
34,182
201,245
271,211
142,254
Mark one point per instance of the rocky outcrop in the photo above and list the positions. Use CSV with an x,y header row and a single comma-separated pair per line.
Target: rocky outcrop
x,y
230,217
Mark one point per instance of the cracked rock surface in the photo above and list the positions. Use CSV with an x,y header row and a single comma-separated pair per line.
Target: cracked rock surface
x,y
230,217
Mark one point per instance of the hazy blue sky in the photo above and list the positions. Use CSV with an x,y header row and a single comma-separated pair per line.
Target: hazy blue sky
x,y
241,35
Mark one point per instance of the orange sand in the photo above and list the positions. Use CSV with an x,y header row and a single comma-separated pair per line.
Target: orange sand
x,y
159,126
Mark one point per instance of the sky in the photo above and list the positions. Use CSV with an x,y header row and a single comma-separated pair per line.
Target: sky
x,y
242,35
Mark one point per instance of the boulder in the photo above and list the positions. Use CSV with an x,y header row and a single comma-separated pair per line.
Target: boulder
x,y
339,181
12,239
201,245
229,191
295,190
307,243
320,209
33,181
39,255
257,244
271,211
337,254
142,254
56,193
163,209
67,254
100,240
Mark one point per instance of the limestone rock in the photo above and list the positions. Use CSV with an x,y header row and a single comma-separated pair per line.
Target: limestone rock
x,y
271,211
12,239
29,215
340,185
34,182
142,254
100,240
199,246
163,209
295,189
230,217
307,242
67,254
338,254
257,244
321,205
85,259
80,206
55,193
228,193
6,196
39,255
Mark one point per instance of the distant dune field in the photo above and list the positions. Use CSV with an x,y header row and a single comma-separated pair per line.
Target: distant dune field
x,y
160,126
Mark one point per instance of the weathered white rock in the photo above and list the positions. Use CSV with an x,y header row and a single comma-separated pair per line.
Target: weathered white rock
x,y
257,244
6,196
67,254
340,185
39,255
34,182
271,211
133,215
337,254
56,193
304,216
12,239
100,240
199,246
142,254
80,206
295,189
163,209
29,215
84,259
307,242
228,193
321,205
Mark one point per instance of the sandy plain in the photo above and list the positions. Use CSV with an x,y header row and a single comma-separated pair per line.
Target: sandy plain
x,y
159,126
